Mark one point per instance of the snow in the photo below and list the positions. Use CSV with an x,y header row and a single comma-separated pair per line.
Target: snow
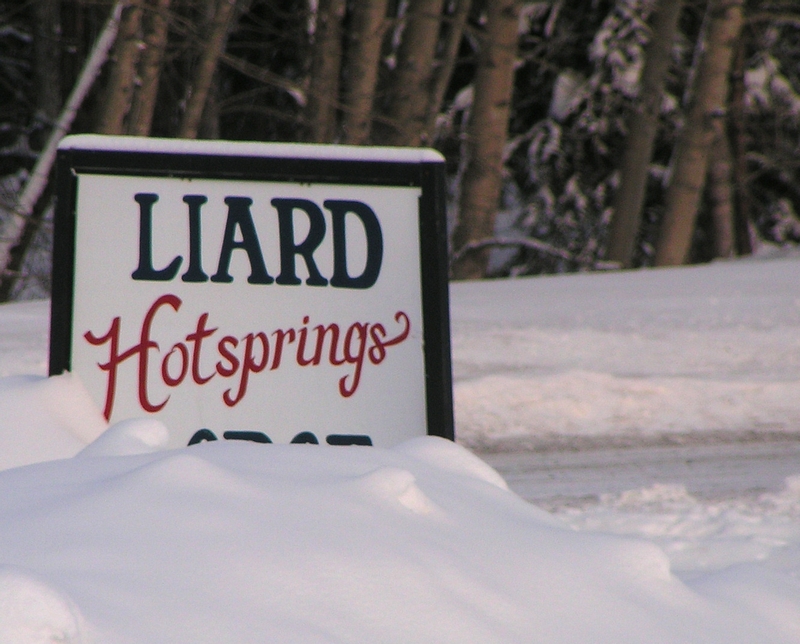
x,y
107,537
696,349
45,419
157,145
699,535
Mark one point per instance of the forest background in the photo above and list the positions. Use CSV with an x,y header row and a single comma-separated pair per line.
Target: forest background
x,y
578,134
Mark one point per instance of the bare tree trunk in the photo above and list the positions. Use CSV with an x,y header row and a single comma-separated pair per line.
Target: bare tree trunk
x,y
447,64
642,129
16,259
361,71
720,176
209,123
204,74
693,148
46,51
744,241
140,119
119,90
13,227
487,134
411,85
323,90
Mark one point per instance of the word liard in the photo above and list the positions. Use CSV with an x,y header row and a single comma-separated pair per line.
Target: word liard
x,y
240,234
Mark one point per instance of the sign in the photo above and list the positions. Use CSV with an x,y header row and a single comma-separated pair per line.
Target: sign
x,y
296,291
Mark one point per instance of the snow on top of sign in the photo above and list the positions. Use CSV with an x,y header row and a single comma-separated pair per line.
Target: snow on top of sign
x,y
249,148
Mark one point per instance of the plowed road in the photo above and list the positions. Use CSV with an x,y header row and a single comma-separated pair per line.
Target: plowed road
x,y
711,471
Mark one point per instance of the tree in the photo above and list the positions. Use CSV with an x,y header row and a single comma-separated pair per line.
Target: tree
x,y
122,76
47,92
720,188
198,90
155,21
13,227
323,91
642,128
411,89
361,71
766,126
709,99
47,57
444,72
738,149
533,122
486,138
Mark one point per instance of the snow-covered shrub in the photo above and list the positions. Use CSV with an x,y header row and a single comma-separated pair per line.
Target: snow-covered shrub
x,y
772,117
564,162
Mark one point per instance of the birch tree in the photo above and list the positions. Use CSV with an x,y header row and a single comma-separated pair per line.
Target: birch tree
x,y
47,91
411,88
444,72
720,184
155,30
326,64
213,47
119,89
709,100
13,226
361,72
486,138
47,79
642,129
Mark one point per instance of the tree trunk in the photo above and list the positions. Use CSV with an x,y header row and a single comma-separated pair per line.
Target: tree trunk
x,y
122,78
720,176
13,228
16,259
411,85
361,71
47,86
46,52
642,130
486,137
693,148
209,123
323,90
140,119
204,73
446,66
744,241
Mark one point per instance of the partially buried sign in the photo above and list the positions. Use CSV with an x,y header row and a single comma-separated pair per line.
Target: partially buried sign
x,y
291,290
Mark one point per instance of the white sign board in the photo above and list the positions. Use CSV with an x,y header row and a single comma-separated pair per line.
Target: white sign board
x,y
291,290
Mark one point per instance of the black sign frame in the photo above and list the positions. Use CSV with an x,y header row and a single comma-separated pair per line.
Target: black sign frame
x,y
76,157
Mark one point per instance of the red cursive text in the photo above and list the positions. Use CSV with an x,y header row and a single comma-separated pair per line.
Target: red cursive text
x,y
239,358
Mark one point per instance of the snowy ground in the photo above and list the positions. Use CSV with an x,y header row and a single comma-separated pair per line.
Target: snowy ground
x,y
633,355
593,378
679,388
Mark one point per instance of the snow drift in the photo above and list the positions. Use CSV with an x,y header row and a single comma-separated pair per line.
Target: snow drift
x,y
238,542
108,538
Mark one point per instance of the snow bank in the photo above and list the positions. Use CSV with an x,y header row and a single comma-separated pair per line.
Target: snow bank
x,y
129,437
238,542
696,349
703,535
42,419
33,612
501,408
23,338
